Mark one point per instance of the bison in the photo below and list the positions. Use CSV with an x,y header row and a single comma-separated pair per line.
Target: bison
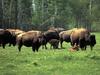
x,y
65,36
6,37
79,36
32,39
54,43
50,34
15,33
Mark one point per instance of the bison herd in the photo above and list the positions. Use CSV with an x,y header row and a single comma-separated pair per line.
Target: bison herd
x,y
78,38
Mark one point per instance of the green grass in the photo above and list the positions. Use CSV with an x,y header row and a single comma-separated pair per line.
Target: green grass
x,y
50,62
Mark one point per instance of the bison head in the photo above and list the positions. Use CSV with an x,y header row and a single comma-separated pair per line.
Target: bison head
x,y
42,39
91,41
13,39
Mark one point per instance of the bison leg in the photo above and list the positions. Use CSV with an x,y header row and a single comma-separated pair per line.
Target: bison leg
x,y
55,46
37,49
50,46
61,42
19,43
9,44
33,49
82,44
91,48
3,45
85,47
72,44
19,47
44,46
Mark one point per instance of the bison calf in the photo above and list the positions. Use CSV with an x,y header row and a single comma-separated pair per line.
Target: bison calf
x,y
54,43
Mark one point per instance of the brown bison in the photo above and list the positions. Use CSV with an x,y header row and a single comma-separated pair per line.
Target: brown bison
x,y
54,43
15,33
6,37
50,34
65,36
30,39
79,36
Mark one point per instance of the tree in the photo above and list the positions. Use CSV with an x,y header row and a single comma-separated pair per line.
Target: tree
x,y
1,14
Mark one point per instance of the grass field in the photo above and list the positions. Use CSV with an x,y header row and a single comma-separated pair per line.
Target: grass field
x,y
50,62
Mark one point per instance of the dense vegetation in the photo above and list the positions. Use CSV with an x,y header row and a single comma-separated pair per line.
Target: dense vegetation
x,y
50,62
41,14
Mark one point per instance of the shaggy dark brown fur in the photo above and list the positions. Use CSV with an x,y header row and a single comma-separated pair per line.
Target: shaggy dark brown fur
x,y
30,39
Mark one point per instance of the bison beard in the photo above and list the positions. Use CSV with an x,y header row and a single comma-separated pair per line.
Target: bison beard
x,y
91,41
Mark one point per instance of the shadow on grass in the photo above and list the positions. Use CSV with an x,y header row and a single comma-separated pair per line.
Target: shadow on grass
x,y
10,73
10,65
94,57
64,58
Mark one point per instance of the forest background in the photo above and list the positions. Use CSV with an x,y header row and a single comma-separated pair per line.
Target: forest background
x,y
43,14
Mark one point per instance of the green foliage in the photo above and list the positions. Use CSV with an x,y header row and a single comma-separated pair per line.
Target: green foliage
x,y
50,62
45,13
63,13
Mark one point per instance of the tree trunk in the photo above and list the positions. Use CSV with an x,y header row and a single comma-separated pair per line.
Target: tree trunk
x,y
1,14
